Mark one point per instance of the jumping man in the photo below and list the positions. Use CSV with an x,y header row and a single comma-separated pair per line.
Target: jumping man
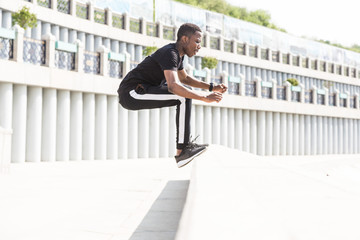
x,y
161,81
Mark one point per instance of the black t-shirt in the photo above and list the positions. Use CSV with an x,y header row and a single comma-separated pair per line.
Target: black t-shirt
x,y
151,69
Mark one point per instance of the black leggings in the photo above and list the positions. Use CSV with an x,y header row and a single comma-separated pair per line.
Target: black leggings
x,y
147,97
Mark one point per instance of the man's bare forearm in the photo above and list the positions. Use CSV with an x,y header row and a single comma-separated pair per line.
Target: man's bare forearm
x,y
182,91
193,82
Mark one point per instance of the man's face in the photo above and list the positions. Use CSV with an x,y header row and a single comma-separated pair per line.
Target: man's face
x,y
193,44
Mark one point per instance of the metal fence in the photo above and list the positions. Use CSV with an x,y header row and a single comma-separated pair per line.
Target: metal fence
x,y
82,11
99,16
352,102
308,96
233,88
332,99
295,96
133,64
281,92
342,102
91,62
6,48
118,21
44,3
65,60
34,51
266,92
216,79
63,6
250,88
115,69
152,29
135,25
321,99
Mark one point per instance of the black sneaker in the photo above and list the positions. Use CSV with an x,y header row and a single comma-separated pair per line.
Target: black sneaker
x,y
192,142
191,151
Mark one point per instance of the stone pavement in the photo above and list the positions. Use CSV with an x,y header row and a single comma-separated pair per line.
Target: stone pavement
x,y
232,195
134,199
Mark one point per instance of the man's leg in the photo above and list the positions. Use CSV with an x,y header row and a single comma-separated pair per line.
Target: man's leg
x,y
183,118
158,97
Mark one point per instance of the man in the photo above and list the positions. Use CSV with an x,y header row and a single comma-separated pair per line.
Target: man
x,y
158,81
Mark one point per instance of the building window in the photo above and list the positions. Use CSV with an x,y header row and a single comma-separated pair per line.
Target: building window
x,y
296,60
253,51
265,54
241,48
322,66
275,56
285,58
215,43
118,21
330,67
338,69
227,46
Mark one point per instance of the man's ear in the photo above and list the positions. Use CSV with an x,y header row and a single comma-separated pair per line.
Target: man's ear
x,y
185,39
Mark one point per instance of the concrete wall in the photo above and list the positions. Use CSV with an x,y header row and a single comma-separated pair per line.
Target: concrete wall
x,y
59,125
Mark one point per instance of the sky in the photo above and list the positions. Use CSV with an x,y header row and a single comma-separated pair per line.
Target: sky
x,y
333,20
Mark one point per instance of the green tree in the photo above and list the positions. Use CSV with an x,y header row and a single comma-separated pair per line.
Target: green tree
x,y
328,84
293,81
149,50
24,18
214,5
260,17
190,2
354,47
240,13
209,62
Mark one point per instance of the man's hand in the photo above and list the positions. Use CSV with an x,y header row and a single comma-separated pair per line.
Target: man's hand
x,y
221,88
213,97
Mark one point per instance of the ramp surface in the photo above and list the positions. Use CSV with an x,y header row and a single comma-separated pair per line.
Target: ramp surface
x,y
236,195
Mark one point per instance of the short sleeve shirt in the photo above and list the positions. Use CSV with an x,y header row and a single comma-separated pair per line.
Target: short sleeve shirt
x,y
151,69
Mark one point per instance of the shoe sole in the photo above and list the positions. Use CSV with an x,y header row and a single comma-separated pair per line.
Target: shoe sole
x,y
186,161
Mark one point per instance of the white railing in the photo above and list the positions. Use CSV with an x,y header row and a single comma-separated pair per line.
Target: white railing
x,y
74,57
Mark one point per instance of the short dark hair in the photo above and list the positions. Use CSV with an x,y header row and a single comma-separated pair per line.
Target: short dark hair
x,y
187,29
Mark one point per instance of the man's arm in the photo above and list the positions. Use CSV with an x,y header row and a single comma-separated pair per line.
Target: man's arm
x,y
175,87
193,82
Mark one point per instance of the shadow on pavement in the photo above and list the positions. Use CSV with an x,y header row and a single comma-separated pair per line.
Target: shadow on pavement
x,y
161,222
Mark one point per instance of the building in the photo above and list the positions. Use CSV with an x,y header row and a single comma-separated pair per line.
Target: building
x,y
58,87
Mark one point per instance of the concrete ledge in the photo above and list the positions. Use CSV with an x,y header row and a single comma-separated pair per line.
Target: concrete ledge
x,y
41,76
235,195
